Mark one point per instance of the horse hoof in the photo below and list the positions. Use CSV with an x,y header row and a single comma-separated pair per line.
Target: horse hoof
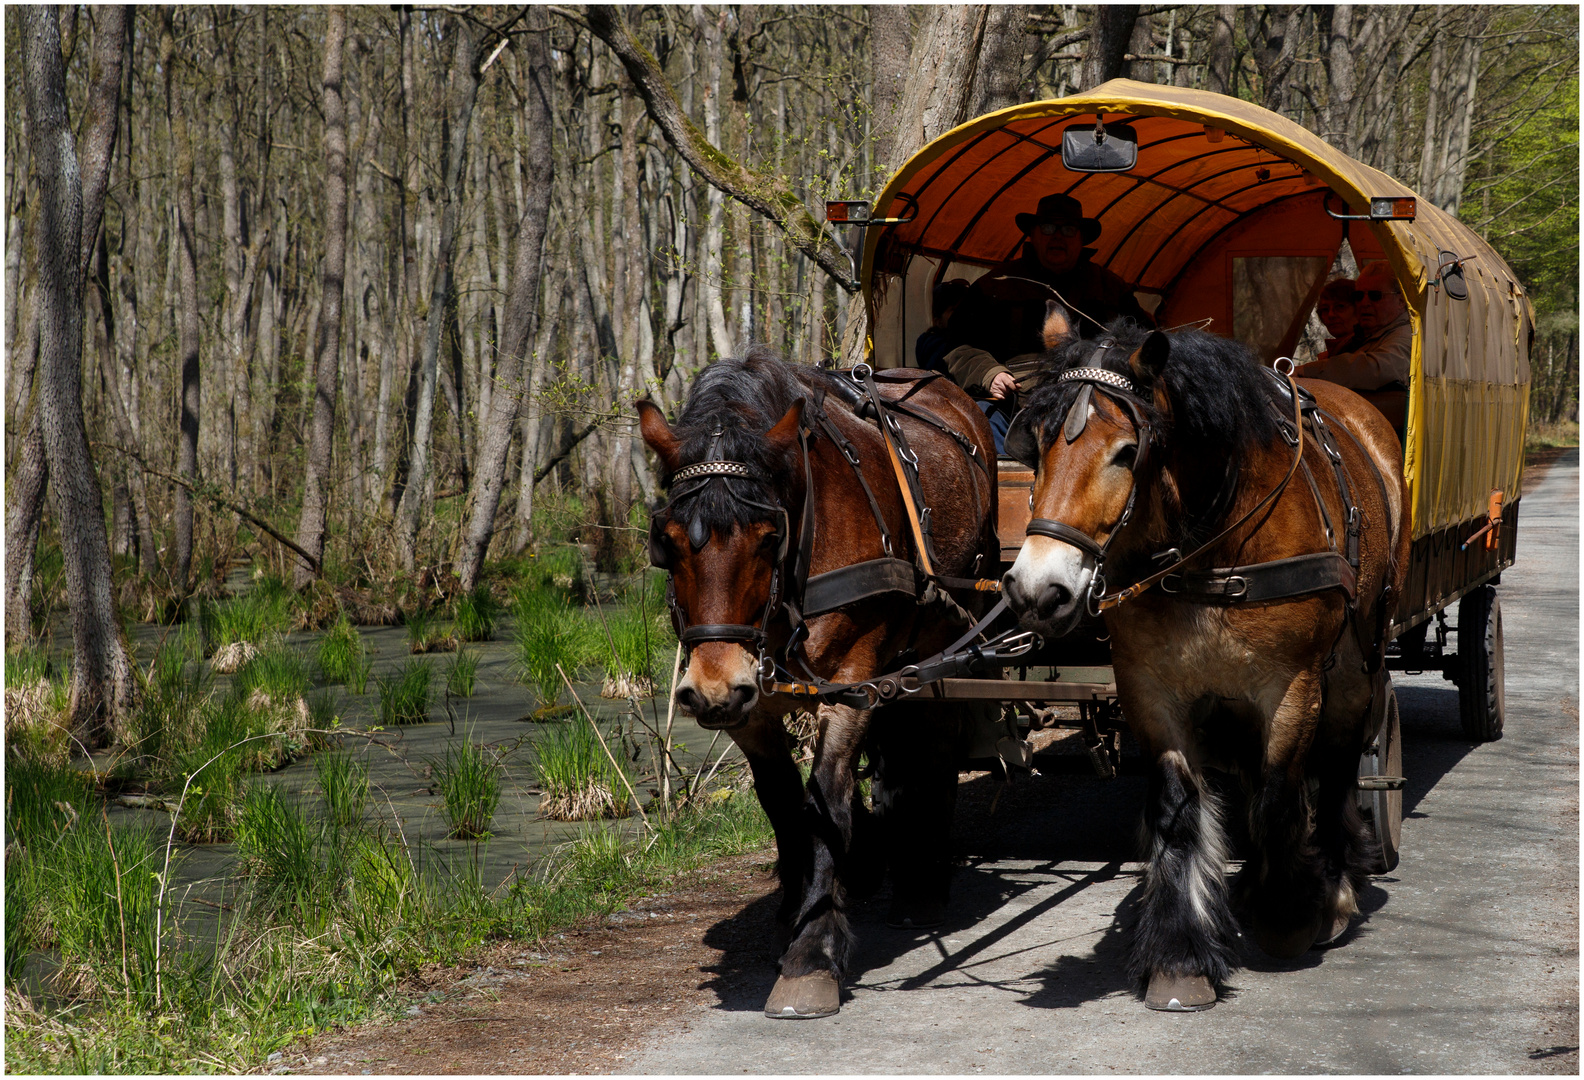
x,y
1287,944
916,915
1339,926
804,997
1179,993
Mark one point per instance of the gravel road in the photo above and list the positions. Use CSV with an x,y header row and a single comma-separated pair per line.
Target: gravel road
x,y
1466,960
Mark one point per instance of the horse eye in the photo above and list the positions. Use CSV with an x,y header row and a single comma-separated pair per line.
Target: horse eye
x,y
1125,456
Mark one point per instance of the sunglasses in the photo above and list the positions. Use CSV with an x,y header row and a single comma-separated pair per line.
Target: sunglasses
x,y
1051,228
1370,294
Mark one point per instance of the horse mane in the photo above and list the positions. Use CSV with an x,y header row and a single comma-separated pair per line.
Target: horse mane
x,y
742,398
1220,402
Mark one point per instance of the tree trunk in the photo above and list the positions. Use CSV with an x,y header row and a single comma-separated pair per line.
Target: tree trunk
x,y
522,305
311,525
188,345
463,90
1218,71
103,690
1110,29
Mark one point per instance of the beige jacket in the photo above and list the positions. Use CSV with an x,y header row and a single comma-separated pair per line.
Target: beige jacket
x,y
1383,359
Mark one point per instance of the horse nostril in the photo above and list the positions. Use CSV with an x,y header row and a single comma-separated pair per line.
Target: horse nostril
x,y
1056,597
690,701
741,695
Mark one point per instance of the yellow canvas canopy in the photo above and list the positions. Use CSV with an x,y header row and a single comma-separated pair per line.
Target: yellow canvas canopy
x,y
1226,200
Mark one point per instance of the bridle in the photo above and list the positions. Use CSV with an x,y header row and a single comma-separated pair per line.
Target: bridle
x,y
1023,444
691,479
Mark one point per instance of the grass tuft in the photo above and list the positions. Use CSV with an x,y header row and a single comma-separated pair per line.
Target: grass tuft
x,y
344,787
575,775
404,695
342,656
426,633
469,781
550,632
462,674
474,615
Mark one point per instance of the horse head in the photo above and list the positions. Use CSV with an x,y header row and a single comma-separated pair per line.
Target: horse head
x,y
1086,433
723,537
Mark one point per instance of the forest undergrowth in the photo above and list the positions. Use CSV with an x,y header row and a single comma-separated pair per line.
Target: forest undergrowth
x,y
115,963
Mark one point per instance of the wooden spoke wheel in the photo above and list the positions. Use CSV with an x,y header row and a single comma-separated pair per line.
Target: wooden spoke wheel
x,y
1482,683
1380,787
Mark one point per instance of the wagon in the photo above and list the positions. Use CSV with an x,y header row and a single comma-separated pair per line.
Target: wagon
x,y
1233,216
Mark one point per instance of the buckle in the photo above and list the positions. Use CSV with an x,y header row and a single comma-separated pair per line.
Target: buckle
x,y
1242,590
861,372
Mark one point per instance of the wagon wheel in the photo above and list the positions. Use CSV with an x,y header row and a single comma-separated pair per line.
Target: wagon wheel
x,y
1380,784
1482,683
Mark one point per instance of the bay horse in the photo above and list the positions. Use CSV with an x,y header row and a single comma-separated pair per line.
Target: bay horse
x,y
1150,445
775,481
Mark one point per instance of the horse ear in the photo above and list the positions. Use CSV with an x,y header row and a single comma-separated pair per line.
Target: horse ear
x,y
784,433
1150,359
657,433
1059,328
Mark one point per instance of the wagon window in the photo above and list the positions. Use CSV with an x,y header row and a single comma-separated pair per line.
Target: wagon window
x,y
1270,293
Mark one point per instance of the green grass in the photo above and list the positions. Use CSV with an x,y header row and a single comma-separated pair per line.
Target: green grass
x,y
427,632
342,657
1543,436
474,615
576,776
266,611
36,793
278,845
469,780
26,665
550,632
643,639
462,674
404,695
343,787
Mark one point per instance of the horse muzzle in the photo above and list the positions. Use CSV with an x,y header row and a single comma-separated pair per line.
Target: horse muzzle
x,y
721,686
1046,588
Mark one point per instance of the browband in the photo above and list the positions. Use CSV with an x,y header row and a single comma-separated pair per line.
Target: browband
x,y
1099,375
713,468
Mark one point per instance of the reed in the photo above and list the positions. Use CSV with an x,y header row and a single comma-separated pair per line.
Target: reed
x,y
463,673
576,776
404,695
474,615
468,777
343,787
341,656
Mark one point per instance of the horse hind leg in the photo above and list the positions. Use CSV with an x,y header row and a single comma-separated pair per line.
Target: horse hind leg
x,y
1185,944
1351,852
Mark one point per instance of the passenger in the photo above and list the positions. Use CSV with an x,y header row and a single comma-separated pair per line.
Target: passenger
x,y
996,329
930,350
1336,310
1381,361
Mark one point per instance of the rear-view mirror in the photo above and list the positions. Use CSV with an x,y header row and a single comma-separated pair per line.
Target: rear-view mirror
x,y
1101,149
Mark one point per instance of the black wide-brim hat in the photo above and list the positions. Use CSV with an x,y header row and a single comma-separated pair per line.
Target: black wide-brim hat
x,y
1060,210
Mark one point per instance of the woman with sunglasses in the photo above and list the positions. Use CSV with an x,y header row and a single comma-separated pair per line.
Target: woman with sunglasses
x,y
1381,360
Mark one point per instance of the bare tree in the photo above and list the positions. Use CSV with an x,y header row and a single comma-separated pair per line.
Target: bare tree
x,y
311,526
489,477
102,688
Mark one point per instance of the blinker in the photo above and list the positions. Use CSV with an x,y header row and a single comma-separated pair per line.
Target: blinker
x,y
698,534
1078,415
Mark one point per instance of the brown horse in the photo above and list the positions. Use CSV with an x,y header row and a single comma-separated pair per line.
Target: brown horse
x,y
775,481
1170,452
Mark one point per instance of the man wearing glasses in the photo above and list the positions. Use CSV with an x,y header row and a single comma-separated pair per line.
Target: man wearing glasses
x,y
1380,361
995,332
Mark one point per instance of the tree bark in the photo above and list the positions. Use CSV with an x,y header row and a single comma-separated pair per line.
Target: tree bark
x,y
463,91
103,690
1218,71
1109,32
522,305
188,345
311,525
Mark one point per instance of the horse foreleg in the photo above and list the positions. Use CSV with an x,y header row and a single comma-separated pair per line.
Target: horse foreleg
x,y
1185,943
779,787
1343,839
822,940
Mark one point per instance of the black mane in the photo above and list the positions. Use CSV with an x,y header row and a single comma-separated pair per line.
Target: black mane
x,y
742,399
1219,398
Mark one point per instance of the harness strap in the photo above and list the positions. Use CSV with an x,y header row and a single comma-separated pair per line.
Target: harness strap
x,y
694,635
1278,579
907,479
1058,530
858,581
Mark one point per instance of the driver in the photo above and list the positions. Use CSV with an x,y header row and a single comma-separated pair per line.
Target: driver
x,y
996,328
